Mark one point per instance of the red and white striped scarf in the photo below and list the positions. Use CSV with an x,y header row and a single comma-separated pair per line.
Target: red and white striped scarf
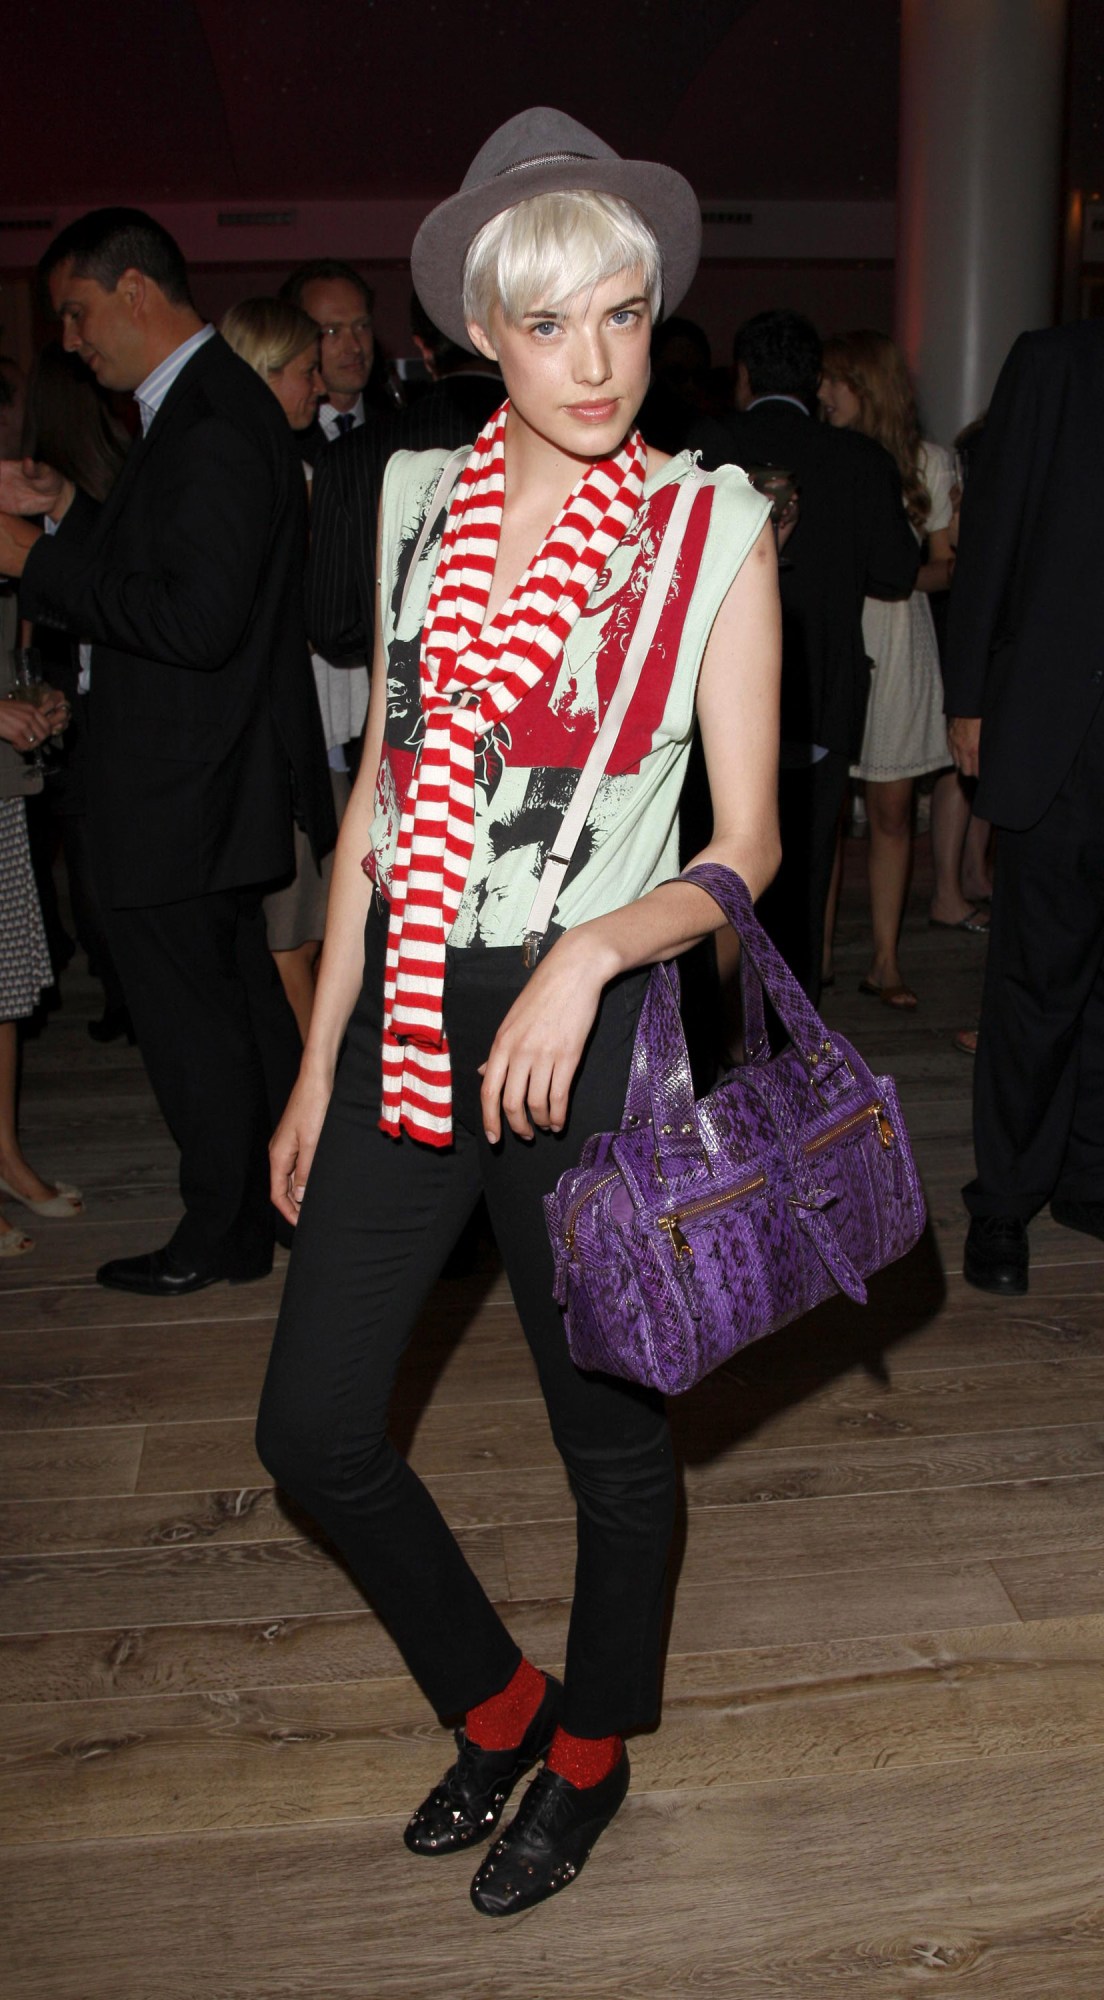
x,y
470,677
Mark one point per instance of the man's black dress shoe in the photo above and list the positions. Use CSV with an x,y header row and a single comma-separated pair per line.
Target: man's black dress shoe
x,y
1088,1216
113,1022
996,1254
159,1276
547,1841
467,1804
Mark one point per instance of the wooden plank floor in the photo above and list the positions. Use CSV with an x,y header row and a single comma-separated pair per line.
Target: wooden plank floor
x,y
882,1758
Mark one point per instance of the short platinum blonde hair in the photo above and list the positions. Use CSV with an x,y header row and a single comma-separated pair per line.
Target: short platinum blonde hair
x,y
553,248
268,333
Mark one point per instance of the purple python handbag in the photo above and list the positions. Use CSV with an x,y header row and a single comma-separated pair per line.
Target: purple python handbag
x,y
700,1227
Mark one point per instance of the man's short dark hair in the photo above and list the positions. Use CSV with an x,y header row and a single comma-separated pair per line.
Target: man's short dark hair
x,y
438,343
108,241
688,330
326,269
781,352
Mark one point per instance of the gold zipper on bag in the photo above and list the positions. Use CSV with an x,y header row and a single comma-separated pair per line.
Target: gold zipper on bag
x,y
704,1202
875,1111
569,1232
671,1224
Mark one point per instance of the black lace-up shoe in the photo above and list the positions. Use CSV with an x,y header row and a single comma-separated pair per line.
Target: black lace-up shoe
x,y
548,1841
467,1804
995,1258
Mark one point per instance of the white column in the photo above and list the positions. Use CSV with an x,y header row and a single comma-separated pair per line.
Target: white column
x,y
978,199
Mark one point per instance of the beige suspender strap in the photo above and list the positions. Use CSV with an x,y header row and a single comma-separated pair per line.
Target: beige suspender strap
x,y
450,473
558,859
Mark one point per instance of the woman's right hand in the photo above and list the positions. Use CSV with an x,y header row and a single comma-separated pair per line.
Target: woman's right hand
x,y
291,1148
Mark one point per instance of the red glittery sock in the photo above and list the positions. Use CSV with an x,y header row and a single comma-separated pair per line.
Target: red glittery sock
x,y
583,1760
501,1722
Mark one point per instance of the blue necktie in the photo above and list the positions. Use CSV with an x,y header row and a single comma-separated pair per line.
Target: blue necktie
x,y
344,421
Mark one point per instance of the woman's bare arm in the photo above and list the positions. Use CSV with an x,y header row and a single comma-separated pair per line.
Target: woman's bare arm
x,y
340,968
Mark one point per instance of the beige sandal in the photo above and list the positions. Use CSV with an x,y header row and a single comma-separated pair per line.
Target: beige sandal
x,y
13,1243
56,1207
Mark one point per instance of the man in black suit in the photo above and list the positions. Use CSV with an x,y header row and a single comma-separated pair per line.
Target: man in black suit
x,y
852,540
1024,680
348,478
188,582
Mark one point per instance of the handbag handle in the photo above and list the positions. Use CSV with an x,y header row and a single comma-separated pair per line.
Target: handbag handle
x,y
660,1085
763,966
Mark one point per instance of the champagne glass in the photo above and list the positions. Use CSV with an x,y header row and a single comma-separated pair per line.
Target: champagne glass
x,y
28,685
778,485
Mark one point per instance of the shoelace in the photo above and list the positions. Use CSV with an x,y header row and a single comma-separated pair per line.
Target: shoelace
x,y
546,1802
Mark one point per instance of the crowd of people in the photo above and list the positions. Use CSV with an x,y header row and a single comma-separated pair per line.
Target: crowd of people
x,y
325,666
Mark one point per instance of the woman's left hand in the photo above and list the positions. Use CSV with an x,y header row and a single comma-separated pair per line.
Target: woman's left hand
x,y
55,712
536,1052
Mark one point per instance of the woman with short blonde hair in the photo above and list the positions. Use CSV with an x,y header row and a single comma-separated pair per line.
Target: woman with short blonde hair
x,y
273,336
478,1050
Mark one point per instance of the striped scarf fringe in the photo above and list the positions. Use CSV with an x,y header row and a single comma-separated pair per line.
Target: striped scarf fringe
x,y
469,679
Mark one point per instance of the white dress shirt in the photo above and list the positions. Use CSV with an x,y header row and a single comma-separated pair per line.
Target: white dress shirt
x,y
342,691
150,394
327,417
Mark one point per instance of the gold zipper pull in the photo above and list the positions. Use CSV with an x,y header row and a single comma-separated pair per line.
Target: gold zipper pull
x,y
675,1237
885,1130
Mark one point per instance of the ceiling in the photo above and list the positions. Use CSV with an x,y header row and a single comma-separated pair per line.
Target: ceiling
x,y
203,99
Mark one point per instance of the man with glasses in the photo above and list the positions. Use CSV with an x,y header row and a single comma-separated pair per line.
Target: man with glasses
x,y
340,303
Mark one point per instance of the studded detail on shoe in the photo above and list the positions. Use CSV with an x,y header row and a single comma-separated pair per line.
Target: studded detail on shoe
x,y
466,1806
548,1841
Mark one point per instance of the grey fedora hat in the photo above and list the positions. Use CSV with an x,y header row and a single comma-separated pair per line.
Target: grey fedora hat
x,y
545,152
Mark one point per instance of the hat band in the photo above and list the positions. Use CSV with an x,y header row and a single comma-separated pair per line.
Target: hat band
x,y
544,160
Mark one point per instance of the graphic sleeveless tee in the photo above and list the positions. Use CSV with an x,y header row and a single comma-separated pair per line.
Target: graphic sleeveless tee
x,y
527,767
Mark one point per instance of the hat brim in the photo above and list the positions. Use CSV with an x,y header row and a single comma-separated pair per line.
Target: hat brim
x,y
666,201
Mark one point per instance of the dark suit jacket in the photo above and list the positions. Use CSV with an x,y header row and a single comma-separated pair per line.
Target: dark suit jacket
x,y
341,573
188,581
852,541
1025,639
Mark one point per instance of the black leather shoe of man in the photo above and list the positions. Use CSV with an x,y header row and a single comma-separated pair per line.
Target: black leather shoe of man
x,y
1088,1216
467,1804
158,1276
996,1254
547,1842
113,1022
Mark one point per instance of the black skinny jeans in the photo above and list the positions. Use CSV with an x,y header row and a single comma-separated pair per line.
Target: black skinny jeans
x,y
378,1221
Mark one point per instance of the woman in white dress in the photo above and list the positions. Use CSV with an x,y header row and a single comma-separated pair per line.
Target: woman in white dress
x,y
865,386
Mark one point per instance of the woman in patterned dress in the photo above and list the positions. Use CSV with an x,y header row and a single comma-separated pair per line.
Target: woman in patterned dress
x,y
25,969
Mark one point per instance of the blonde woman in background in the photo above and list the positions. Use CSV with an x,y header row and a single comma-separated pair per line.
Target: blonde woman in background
x,y
865,386
280,342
